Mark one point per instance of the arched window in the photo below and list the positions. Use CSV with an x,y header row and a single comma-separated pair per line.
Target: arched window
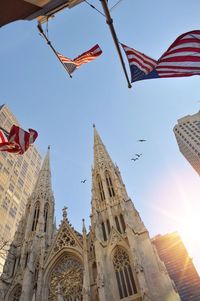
x,y
46,210
94,271
36,216
26,259
117,224
108,225
16,293
124,274
122,222
67,278
14,265
100,185
109,184
104,231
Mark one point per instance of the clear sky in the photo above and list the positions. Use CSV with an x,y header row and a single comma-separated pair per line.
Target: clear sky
x,y
162,184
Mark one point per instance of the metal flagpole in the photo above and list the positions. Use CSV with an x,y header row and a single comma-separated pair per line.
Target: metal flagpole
x,y
109,21
49,43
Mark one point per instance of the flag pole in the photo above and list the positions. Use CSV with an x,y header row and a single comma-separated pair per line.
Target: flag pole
x,y
39,26
109,21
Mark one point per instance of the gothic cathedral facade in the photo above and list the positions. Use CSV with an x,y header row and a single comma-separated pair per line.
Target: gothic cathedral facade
x,y
115,261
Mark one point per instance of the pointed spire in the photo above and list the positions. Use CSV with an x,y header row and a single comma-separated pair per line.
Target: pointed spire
x,y
84,228
100,152
43,183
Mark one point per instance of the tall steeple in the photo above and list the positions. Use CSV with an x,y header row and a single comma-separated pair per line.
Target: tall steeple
x,y
41,203
101,155
108,188
34,235
119,230
43,183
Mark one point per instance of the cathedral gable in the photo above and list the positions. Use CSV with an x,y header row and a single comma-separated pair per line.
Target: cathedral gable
x,y
66,237
115,237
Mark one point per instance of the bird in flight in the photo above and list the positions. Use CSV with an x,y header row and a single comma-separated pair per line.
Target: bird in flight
x,y
134,159
142,140
138,155
83,181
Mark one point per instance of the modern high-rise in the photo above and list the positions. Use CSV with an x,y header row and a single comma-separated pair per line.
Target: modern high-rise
x,y
187,133
179,265
18,174
115,261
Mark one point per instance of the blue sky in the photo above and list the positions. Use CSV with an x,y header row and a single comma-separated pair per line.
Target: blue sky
x,y
162,184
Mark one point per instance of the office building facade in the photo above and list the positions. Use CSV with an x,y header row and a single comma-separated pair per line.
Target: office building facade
x,y
187,133
18,174
179,265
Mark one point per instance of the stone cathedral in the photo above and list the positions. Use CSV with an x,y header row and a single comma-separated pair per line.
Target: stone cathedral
x,y
114,261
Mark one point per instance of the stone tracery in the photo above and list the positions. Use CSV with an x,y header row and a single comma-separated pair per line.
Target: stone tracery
x,y
66,278
16,293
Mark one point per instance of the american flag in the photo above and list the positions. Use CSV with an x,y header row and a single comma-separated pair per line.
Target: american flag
x,y
18,140
182,58
3,136
86,57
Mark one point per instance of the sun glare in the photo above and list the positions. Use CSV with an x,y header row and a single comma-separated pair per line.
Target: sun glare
x,y
180,210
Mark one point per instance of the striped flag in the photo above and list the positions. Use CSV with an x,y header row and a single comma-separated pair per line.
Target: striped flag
x,y
86,57
181,59
3,136
18,140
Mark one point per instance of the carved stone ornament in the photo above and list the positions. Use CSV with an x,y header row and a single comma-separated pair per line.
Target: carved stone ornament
x,y
115,237
65,238
66,279
16,293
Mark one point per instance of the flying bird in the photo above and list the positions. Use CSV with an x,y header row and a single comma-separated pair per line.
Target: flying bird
x,y
138,155
83,181
142,140
134,159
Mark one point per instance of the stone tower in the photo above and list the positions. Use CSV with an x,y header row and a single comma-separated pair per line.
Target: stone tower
x,y
127,266
25,260
114,261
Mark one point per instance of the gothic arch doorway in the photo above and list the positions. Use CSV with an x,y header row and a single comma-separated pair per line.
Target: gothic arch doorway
x,y
16,293
66,279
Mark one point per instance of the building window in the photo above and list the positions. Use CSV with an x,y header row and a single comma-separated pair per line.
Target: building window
x,y
104,231
26,259
108,225
46,209
36,216
14,265
109,184
124,274
101,191
94,271
16,293
117,224
122,222
13,211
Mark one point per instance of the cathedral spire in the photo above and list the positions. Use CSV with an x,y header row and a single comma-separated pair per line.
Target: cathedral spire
x,y
43,183
100,152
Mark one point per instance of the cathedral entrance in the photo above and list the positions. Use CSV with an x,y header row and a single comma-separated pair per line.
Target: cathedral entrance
x,y
66,280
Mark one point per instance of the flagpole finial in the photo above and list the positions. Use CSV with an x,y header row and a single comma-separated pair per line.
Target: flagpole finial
x,y
93,125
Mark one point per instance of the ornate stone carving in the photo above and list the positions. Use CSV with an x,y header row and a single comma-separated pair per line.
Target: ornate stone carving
x,y
115,237
66,279
120,259
16,293
64,239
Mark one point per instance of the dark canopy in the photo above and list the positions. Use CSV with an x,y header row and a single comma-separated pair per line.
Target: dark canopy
x,y
13,10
